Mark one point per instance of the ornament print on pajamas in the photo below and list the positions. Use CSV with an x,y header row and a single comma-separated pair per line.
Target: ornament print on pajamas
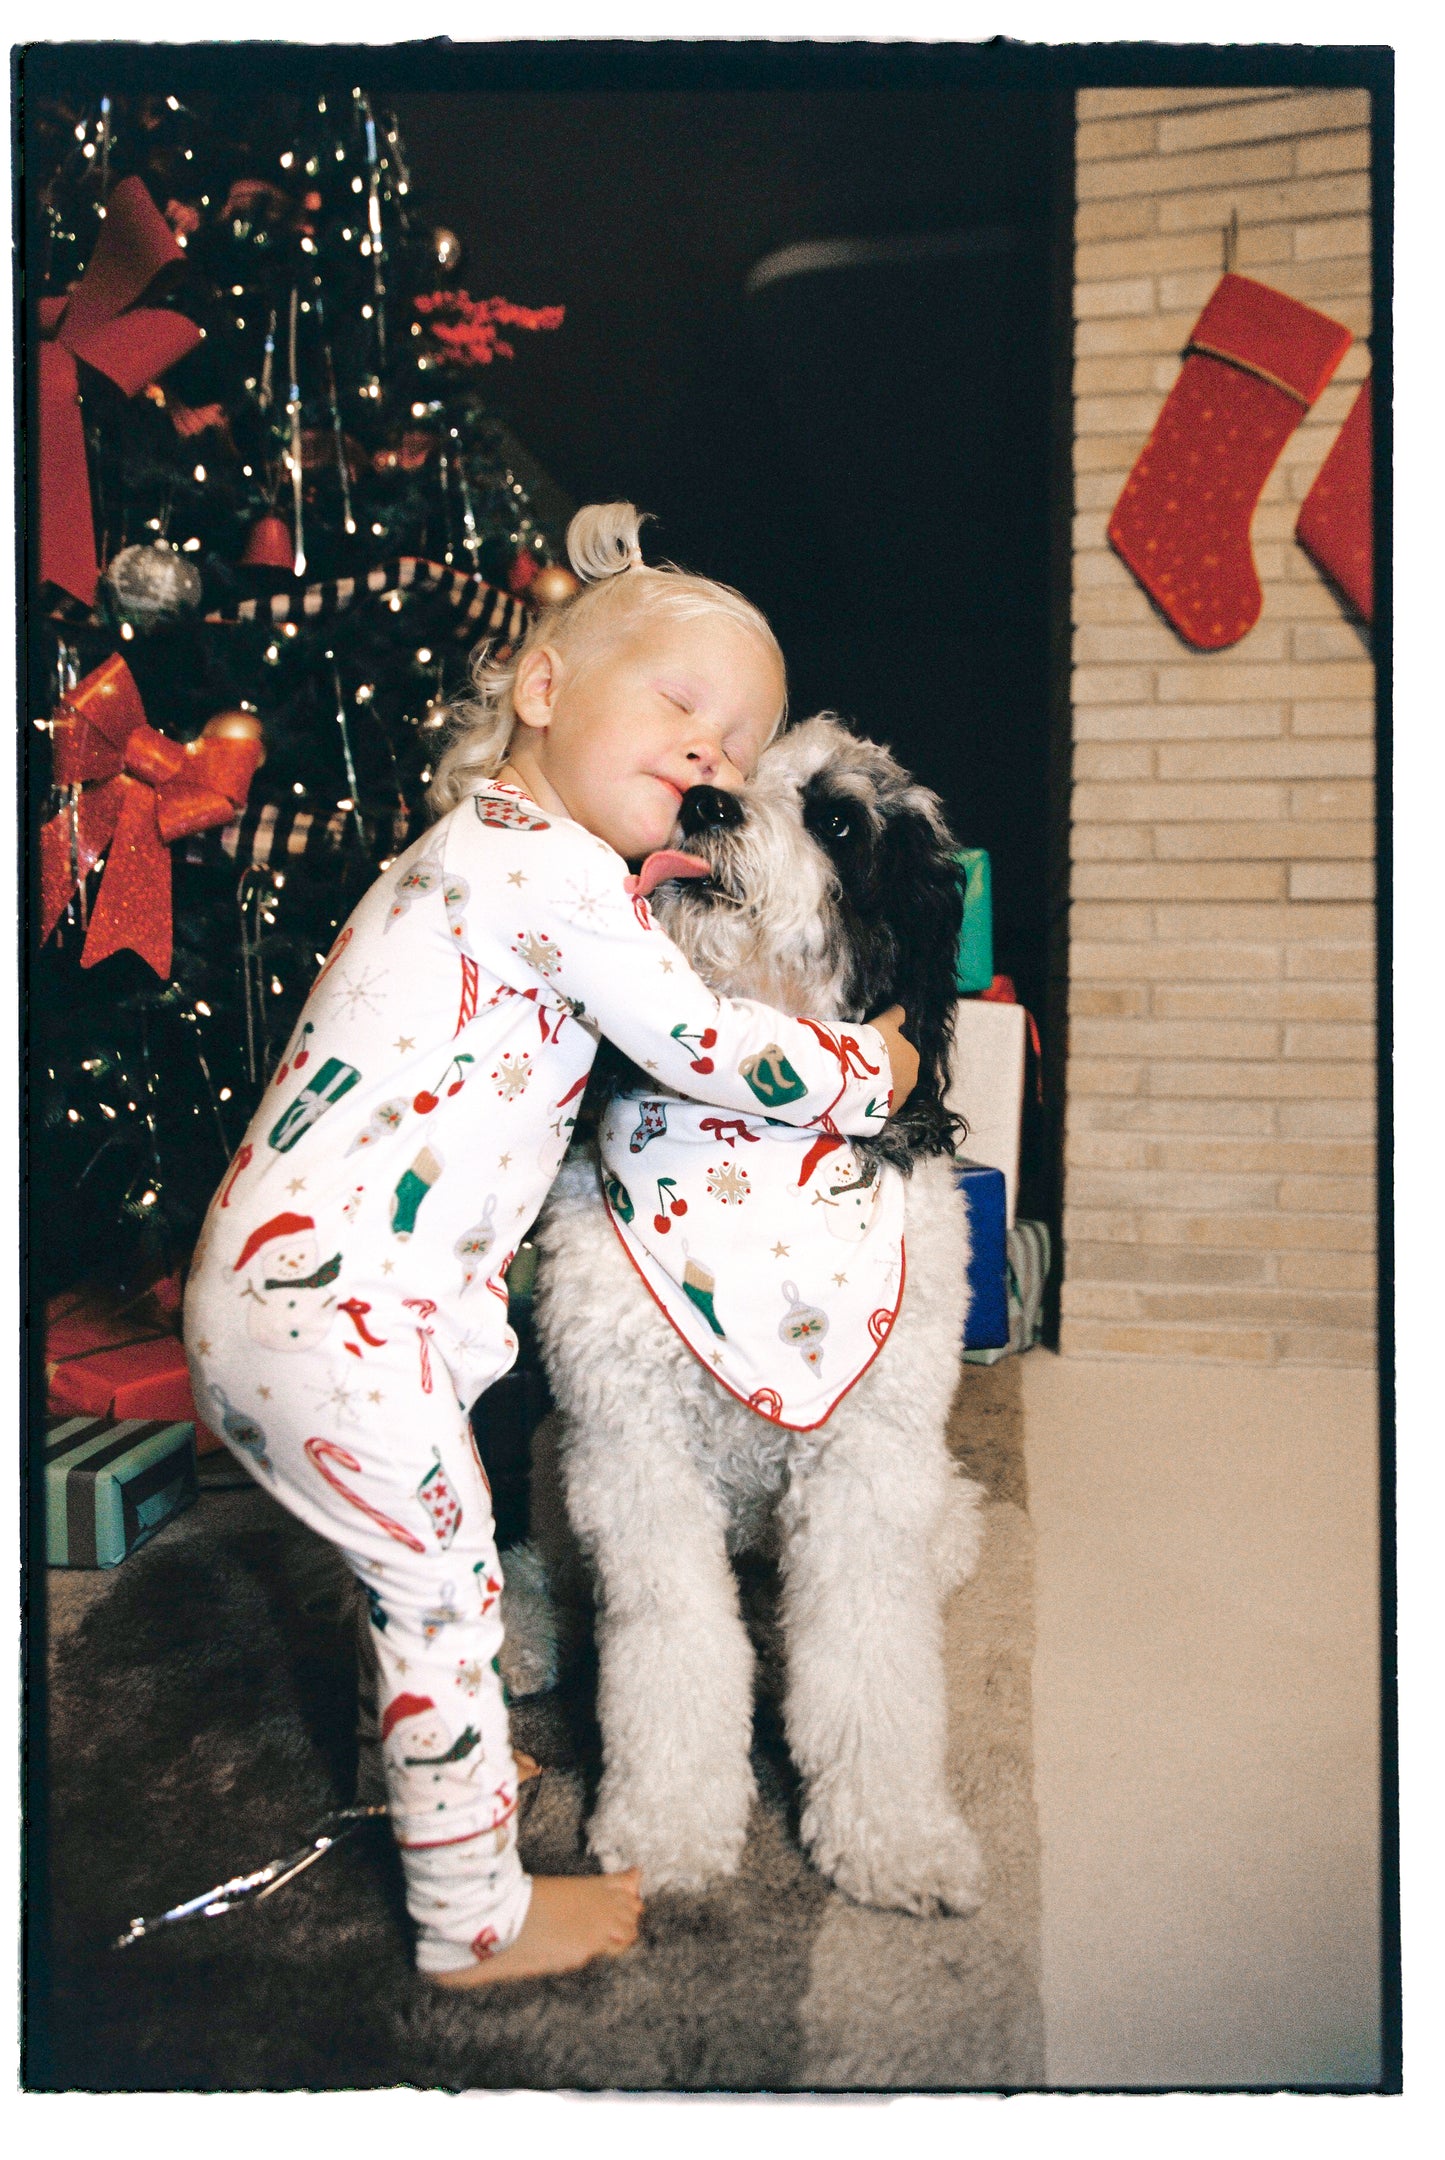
x,y
347,1301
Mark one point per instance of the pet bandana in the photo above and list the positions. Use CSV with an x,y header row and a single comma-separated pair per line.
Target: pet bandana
x,y
775,1251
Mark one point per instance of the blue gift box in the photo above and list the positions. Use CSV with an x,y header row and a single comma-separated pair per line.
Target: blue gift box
x,y
984,1195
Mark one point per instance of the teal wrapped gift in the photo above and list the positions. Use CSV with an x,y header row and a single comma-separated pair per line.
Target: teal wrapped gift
x,y
110,1484
975,945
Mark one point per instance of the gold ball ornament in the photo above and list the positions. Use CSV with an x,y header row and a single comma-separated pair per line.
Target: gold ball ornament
x,y
236,727
553,587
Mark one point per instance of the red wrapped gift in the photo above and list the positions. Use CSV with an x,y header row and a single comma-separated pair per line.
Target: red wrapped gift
x,y
119,1364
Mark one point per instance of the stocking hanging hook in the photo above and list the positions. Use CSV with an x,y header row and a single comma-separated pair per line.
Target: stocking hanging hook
x,y
1231,241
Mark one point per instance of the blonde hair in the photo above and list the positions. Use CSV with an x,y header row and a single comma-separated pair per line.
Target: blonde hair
x,y
618,591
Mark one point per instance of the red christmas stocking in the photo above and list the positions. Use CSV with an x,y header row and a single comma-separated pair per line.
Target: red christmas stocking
x,y
1335,524
1256,362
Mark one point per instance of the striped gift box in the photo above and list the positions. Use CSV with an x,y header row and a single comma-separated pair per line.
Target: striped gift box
x,y
110,1484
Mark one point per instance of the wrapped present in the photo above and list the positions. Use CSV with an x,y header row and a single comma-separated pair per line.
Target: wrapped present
x,y
986,1083
982,1187
128,1364
1029,1250
111,1483
975,944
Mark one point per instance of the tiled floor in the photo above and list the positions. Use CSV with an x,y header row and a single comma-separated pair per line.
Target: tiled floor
x,y
1205,1700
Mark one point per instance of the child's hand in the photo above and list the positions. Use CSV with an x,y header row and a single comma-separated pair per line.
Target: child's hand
x,y
902,1056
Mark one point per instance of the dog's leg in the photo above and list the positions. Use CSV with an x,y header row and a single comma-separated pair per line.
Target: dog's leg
x,y
675,1666
876,1531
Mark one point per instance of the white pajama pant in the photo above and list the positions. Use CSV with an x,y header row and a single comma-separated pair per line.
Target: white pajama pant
x,y
385,1468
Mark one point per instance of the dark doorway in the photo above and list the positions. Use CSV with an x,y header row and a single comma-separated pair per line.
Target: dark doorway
x,y
813,332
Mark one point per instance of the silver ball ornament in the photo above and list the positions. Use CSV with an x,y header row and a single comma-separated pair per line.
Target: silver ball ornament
x,y
150,584
446,247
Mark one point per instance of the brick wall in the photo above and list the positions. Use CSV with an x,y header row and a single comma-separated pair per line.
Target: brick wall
x,y
1220,1197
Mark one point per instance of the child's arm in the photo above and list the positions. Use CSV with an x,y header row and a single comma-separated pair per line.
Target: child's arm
x,y
585,937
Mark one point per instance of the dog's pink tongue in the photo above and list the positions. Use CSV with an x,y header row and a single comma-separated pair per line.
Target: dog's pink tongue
x,y
668,863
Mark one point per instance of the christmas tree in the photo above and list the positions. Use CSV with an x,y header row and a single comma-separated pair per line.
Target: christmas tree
x,y
275,514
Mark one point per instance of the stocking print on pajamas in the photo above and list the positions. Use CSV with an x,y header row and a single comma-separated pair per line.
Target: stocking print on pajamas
x,y
347,1301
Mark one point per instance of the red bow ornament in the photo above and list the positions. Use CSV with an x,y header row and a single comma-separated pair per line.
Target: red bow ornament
x,y
97,323
144,792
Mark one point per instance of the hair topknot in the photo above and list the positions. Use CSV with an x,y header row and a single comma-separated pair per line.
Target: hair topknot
x,y
603,540
602,543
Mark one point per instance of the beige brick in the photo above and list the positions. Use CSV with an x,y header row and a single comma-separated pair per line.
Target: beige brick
x,y
1111,686
1177,1038
1115,220
1258,1233
1109,843
1113,374
1327,1271
1144,641
1150,176
1260,1082
1190,288
1166,370
1287,199
1236,1156
1113,761
1330,641
1116,415
1178,801
1328,1039
1096,139
1178,723
1106,453
1329,1119
1264,839
1332,799
1309,963
1329,286
1262,246
1098,1226
1329,1195
1332,881
1098,1301
1267,1000
1133,961
1329,238
1264,1308
1122,296
1104,104
1134,334
1146,1114
1348,152
1105,1076
1179,881
1321,1346
1286,759
1334,716
1148,255
1165,1264
1101,566
1089,527
1112,922
1096,1001
1170,1189
1205,681
1109,601
1246,922
1290,116
1116,1338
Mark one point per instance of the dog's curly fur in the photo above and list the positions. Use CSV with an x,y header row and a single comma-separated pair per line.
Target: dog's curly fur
x,y
836,895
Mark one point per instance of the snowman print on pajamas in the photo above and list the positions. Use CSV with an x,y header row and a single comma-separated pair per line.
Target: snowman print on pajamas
x,y
846,1191
290,1301
415,1736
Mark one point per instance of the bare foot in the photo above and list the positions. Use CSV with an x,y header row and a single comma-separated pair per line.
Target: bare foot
x,y
571,1920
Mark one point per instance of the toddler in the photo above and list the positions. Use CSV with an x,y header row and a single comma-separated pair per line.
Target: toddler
x,y
347,1302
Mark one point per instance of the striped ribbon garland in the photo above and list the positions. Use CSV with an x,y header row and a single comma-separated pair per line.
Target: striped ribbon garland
x,y
481,609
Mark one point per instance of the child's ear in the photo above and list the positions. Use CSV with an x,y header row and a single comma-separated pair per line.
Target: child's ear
x,y
535,686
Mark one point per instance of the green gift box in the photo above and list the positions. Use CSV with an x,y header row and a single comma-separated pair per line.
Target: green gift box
x,y
975,945
111,1483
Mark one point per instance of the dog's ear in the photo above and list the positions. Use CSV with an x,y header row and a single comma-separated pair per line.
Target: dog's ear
x,y
921,889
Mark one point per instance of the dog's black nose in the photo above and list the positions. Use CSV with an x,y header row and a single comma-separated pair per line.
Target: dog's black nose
x,y
708,809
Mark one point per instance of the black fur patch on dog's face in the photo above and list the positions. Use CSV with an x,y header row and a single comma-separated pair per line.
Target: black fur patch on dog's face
x,y
901,907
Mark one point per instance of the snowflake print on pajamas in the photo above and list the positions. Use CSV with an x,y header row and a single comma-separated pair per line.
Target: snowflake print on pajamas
x,y
728,1182
539,951
513,1074
586,905
359,995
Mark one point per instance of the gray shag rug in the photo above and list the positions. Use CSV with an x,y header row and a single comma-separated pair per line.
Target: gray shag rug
x,y
202,1721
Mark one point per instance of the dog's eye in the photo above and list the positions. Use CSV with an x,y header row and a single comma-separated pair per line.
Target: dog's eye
x,y
836,825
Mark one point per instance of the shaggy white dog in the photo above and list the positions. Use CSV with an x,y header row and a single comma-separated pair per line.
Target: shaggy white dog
x,y
832,893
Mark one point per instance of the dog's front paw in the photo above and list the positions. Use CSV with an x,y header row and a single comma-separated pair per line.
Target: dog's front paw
x,y
677,1846
923,1867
